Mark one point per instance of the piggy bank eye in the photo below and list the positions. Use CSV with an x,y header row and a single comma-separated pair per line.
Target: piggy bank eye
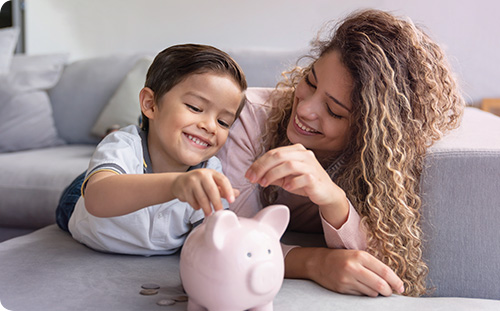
x,y
269,251
249,254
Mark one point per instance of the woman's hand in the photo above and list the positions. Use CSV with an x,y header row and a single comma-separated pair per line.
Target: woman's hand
x,y
296,169
344,271
203,188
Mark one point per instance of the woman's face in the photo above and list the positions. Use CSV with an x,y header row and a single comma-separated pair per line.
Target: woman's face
x,y
321,112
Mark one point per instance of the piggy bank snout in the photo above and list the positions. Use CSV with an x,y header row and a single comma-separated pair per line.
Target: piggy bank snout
x,y
265,277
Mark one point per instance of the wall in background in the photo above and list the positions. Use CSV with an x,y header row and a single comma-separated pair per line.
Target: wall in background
x,y
468,30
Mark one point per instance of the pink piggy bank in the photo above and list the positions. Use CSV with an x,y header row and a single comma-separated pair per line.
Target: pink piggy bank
x,y
231,263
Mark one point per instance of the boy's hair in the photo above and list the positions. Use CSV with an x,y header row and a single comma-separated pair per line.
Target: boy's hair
x,y
174,64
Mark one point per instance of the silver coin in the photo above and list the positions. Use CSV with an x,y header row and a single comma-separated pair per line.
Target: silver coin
x,y
150,286
182,298
149,291
165,302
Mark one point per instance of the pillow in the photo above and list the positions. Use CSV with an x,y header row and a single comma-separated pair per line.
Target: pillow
x,y
123,108
26,120
8,41
36,72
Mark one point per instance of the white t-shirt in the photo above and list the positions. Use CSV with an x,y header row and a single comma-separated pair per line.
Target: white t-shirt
x,y
154,230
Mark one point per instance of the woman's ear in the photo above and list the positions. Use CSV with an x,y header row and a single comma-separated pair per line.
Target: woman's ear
x,y
147,102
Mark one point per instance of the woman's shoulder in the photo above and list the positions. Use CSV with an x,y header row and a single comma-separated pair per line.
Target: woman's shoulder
x,y
258,95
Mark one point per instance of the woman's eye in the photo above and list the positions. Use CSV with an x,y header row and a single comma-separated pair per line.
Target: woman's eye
x,y
331,113
309,82
193,108
223,123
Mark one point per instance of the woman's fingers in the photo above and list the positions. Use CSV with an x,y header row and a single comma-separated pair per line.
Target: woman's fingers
x,y
354,272
372,285
376,276
273,158
383,280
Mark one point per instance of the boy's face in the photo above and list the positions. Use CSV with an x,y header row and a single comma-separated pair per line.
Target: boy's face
x,y
192,120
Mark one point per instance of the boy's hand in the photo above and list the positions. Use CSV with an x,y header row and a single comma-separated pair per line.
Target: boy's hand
x,y
204,188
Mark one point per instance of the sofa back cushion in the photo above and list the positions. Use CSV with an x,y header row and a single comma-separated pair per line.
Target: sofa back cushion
x,y
83,91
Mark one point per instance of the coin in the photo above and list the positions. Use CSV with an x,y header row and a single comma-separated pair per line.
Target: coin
x,y
149,291
165,302
182,298
150,286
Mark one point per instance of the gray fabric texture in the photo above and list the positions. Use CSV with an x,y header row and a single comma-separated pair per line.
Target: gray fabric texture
x,y
83,91
23,131
26,120
460,195
31,183
461,209
263,68
48,270
8,41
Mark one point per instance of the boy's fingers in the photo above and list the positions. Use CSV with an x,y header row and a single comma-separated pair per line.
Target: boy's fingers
x,y
201,199
225,188
212,194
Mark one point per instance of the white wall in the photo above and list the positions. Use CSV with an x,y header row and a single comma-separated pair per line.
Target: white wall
x,y
469,30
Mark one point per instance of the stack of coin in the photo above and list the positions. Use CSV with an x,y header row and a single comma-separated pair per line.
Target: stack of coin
x,y
153,289
149,289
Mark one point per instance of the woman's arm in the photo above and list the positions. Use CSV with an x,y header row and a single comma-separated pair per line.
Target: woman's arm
x,y
344,271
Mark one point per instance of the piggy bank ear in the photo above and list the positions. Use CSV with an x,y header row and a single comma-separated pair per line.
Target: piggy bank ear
x,y
217,227
276,216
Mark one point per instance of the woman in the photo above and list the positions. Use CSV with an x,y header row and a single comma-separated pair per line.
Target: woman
x,y
341,142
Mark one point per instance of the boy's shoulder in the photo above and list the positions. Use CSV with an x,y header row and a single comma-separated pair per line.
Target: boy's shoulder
x,y
213,163
129,133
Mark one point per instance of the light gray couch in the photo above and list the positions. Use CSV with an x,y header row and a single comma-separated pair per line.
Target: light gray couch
x,y
48,270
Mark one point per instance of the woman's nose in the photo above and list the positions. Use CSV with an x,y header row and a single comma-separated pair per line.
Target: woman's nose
x,y
310,107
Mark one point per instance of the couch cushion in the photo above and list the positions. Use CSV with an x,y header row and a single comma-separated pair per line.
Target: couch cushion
x,y
8,41
31,183
26,120
48,270
83,91
123,108
263,67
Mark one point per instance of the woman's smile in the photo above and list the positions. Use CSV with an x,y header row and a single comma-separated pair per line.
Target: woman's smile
x,y
301,127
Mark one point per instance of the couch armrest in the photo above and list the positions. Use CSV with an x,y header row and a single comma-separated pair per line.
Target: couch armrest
x,y
461,209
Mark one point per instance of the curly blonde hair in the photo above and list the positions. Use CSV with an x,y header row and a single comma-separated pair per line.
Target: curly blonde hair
x,y
404,99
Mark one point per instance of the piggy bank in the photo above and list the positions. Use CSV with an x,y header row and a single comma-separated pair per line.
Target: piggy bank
x,y
231,263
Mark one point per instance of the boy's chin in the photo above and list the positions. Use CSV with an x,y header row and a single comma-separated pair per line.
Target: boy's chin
x,y
193,161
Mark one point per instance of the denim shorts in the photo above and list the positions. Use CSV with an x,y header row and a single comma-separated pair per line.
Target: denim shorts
x,y
68,201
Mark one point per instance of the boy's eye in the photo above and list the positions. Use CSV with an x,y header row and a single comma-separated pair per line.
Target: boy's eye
x,y
223,123
193,108
309,82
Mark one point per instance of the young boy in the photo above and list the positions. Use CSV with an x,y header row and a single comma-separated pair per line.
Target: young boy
x,y
147,187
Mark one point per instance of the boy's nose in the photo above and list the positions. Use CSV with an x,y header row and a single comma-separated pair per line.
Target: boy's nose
x,y
207,125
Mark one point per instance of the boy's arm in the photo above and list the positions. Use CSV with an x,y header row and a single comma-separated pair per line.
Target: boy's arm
x,y
109,194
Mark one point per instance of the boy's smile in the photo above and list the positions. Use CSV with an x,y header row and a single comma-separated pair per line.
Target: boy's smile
x,y
190,123
199,142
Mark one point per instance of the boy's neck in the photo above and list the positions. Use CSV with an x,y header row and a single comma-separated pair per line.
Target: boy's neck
x,y
160,163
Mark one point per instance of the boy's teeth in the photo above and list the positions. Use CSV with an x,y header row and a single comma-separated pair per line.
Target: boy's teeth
x,y
302,126
197,141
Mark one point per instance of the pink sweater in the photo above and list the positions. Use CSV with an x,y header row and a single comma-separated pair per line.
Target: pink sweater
x,y
243,147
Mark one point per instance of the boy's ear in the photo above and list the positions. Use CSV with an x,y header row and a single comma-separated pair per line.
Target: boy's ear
x,y
147,102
